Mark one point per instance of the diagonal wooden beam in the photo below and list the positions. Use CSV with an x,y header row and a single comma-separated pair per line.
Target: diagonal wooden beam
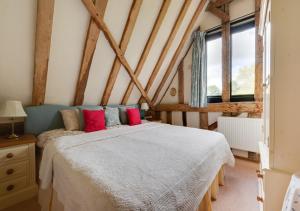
x,y
89,49
42,49
168,44
185,37
162,14
219,3
133,14
119,53
217,12
178,68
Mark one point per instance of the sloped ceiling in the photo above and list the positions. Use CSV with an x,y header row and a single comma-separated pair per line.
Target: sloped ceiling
x,y
70,24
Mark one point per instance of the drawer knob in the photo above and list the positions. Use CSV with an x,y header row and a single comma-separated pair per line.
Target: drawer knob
x,y
260,199
10,171
10,155
10,187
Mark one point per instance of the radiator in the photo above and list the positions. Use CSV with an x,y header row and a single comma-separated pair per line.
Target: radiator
x,y
241,133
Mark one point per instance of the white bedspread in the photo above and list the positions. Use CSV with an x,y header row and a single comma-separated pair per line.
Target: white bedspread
x,y
151,166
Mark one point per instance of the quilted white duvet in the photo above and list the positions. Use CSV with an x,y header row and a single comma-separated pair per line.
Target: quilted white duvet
x,y
151,166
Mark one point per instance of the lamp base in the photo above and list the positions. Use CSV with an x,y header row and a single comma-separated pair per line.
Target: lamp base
x,y
13,136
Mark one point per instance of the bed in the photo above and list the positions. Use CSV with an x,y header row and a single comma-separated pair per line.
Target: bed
x,y
152,166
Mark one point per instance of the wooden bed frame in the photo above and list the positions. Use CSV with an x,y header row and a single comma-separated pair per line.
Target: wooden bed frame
x,y
205,204
211,194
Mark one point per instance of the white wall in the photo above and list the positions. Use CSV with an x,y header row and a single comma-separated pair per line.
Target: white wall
x,y
17,35
70,24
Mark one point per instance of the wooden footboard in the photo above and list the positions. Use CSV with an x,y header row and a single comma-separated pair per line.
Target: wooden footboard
x,y
211,194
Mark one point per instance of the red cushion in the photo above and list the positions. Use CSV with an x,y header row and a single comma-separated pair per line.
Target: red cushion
x,y
134,116
94,120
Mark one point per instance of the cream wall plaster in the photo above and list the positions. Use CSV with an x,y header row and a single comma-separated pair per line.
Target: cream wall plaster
x,y
71,19
17,37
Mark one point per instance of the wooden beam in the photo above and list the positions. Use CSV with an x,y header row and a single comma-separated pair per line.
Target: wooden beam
x,y
168,44
182,60
219,3
213,126
217,12
184,119
169,117
45,9
203,117
88,53
133,14
185,37
250,107
161,15
258,94
226,61
181,90
119,53
181,82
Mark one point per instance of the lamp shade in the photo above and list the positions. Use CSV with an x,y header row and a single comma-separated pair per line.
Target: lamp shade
x,y
12,109
145,106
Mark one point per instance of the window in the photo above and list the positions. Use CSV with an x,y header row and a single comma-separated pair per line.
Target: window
x,y
214,67
242,61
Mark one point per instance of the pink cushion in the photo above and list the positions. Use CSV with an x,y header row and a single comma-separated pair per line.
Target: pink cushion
x,y
134,116
94,120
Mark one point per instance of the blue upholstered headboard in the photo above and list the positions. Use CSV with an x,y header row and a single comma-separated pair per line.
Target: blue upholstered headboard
x,y
47,117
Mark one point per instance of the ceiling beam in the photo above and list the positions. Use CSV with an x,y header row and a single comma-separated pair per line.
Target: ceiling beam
x,y
159,20
234,107
88,53
218,12
45,9
133,14
168,44
119,53
185,37
219,3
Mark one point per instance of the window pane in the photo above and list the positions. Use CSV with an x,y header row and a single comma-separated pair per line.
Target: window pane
x,y
214,67
243,62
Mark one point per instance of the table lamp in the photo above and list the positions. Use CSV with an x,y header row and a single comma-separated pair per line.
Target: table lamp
x,y
145,106
12,109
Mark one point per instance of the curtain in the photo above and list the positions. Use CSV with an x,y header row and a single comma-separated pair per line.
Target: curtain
x,y
199,71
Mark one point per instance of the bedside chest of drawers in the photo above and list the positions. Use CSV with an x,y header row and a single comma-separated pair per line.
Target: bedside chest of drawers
x,y
17,170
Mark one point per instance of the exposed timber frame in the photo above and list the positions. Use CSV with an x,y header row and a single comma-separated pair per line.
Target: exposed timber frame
x,y
119,53
233,107
167,46
123,46
258,94
185,37
45,9
150,41
88,53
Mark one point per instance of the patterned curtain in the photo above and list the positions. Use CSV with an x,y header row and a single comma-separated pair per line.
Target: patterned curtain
x,y
199,71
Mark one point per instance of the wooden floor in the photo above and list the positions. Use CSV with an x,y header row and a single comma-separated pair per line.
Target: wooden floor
x,y
239,192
